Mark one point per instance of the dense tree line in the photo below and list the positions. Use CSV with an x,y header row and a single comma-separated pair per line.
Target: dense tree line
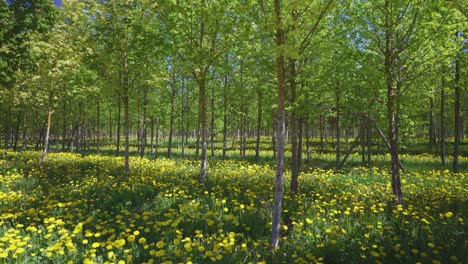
x,y
91,73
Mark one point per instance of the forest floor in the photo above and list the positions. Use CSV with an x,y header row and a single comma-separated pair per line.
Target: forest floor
x,y
80,209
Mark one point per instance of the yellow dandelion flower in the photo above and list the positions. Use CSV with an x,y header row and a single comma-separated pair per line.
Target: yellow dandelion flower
x,y
119,243
161,244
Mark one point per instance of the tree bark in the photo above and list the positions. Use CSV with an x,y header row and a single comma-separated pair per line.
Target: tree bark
x,y
338,127
321,130
197,144
46,137
98,125
80,127
171,121
110,125
64,126
348,151
362,132
224,116
152,135
273,139
182,118
25,128
294,153
245,132
369,142
259,125
7,131
119,113
125,88
392,98
442,124
457,119
212,122
387,143
432,137
157,138
278,195
17,129
145,121
308,132
204,128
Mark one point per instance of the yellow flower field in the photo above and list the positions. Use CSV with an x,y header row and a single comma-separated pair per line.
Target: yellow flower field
x,y
80,209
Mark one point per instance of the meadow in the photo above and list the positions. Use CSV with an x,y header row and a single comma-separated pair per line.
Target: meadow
x,y
78,208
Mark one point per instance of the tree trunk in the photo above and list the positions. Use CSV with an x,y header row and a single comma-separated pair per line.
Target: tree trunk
x,y
224,116
369,142
348,151
187,121
442,124
17,129
157,138
204,128
7,131
152,136
182,118
197,151
273,140
119,113
259,126
294,153
171,121
392,110
46,138
110,125
321,131
432,137
387,143
300,135
64,126
125,88
80,126
362,132
338,127
458,125
98,125
212,122
25,127
308,132
278,195
145,121
245,132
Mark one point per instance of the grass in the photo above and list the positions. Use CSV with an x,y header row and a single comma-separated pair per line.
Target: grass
x,y
80,209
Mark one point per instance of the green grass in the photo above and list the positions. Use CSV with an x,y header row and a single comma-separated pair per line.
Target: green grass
x,y
80,209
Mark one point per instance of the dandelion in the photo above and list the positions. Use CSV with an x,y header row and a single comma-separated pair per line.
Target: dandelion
x,y
160,244
119,243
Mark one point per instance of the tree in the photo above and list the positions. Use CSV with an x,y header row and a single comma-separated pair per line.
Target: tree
x,y
22,18
126,31
409,38
199,47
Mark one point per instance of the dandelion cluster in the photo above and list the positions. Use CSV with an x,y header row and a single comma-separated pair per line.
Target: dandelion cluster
x,y
76,209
